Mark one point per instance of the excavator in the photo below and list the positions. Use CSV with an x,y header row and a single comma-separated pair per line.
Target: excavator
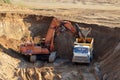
x,y
82,46
47,48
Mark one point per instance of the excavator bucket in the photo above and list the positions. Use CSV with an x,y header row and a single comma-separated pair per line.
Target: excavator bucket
x,y
83,32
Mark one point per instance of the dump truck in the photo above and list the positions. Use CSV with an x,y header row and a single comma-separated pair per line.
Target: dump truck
x,y
83,46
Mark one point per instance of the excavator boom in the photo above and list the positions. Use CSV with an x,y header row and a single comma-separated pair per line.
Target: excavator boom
x,y
49,39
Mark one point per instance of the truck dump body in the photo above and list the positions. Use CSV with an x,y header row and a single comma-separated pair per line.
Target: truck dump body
x,y
87,42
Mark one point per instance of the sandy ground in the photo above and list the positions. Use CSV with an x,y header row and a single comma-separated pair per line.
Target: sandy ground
x,y
18,67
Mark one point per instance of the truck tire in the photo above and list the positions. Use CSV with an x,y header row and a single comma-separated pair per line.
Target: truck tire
x,y
33,58
52,57
91,57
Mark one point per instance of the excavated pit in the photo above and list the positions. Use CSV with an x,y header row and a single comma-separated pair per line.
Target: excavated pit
x,y
13,27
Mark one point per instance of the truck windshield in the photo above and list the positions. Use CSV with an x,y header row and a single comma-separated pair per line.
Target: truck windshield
x,y
82,50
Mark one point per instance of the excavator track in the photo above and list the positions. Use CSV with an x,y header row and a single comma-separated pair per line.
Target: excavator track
x,y
33,58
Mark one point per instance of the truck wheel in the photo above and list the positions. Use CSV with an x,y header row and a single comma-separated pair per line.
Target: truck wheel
x,y
52,57
33,58
91,58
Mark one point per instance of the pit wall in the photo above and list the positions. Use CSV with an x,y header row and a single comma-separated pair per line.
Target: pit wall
x,y
16,26
12,25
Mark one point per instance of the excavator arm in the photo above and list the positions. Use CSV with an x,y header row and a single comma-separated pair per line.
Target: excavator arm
x,y
49,39
55,24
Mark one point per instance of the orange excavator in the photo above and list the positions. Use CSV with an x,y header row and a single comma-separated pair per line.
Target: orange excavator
x,y
31,49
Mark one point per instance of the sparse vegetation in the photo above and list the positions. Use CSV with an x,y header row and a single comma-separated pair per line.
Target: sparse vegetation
x,y
5,1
